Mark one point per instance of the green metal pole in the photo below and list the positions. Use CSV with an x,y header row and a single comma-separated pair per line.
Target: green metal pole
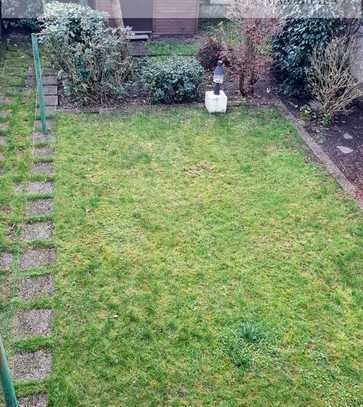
x,y
5,377
39,83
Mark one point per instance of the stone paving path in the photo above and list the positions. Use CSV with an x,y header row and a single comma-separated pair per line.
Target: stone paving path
x,y
37,257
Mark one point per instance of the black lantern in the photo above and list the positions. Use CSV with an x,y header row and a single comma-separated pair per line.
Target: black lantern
x,y
218,77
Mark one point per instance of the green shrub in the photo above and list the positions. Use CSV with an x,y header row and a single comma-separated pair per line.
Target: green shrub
x,y
293,46
92,58
173,80
210,53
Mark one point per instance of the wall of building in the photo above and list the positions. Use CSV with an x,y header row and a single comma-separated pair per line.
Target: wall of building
x,y
213,8
358,63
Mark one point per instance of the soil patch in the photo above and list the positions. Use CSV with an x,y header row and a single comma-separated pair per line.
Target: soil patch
x,y
342,142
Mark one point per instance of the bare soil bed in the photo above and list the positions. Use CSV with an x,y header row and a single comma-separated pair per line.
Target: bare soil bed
x,y
343,141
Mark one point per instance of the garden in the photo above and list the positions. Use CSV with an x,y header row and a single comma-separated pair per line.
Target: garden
x,y
152,253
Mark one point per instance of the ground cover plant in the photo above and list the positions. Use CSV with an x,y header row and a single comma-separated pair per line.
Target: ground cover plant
x,y
202,260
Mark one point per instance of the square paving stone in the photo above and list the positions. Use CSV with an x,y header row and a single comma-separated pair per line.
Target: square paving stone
x,y
4,114
35,400
39,207
42,169
5,101
39,137
5,260
50,89
38,124
4,127
35,322
39,152
3,141
35,287
49,80
51,100
44,187
37,258
36,231
32,365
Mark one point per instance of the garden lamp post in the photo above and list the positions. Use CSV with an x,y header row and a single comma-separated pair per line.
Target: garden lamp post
x,y
218,77
216,100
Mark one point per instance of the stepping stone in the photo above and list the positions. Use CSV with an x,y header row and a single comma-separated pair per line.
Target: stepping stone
x,y
5,260
39,152
45,187
35,322
42,138
35,287
3,141
32,365
344,150
347,136
5,101
39,207
42,169
35,400
4,114
19,188
51,100
48,110
36,231
4,127
2,157
50,90
37,258
38,124
50,80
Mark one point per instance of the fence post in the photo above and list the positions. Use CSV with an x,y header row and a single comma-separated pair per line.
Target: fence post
x,y
6,381
39,83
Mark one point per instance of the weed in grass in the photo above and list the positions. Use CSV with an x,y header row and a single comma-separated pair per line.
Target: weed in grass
x,y
244,342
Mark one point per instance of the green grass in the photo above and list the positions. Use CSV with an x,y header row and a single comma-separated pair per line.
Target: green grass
x,y
202,260
172,47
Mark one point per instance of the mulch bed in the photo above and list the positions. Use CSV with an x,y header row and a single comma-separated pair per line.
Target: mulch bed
x,y
343,141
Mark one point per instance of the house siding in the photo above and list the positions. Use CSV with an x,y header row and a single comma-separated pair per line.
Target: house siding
x,y
174,17
213,8
358,62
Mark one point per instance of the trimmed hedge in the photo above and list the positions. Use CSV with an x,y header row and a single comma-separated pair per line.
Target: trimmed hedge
x,y
173,80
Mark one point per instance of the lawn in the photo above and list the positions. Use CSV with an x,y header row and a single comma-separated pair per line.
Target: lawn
x,y
202,260
172,47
